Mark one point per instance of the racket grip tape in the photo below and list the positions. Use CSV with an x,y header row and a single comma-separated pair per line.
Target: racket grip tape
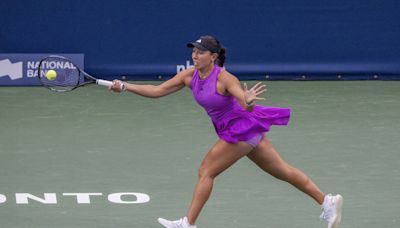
x,y
104,82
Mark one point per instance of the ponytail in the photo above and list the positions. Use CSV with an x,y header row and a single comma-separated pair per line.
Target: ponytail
x,y
221,57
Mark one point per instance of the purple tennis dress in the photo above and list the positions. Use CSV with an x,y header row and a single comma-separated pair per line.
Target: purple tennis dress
x,y
231,121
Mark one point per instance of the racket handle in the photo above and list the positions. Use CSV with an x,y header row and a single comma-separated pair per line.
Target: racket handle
x,y
109,83
104,82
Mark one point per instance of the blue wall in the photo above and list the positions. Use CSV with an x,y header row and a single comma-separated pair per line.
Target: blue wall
x,y
283,39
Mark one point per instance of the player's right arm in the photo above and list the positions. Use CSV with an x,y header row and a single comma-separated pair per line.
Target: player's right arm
x,y
155,91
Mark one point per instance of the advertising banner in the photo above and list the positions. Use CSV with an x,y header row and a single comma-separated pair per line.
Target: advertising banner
x,y
22,69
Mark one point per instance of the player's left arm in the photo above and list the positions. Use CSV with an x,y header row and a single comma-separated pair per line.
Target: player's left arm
x,y
246,97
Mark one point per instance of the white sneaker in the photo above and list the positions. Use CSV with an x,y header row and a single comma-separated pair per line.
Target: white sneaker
x,y
181,223
332,210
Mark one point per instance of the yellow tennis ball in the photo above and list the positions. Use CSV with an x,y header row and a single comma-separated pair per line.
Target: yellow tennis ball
x,y
51,75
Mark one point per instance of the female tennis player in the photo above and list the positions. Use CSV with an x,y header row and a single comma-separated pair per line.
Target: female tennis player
x,y
240,124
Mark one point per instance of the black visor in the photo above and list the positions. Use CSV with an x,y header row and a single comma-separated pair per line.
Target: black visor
x,y
205,43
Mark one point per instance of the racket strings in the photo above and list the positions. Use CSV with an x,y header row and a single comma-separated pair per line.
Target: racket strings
x,y
67,75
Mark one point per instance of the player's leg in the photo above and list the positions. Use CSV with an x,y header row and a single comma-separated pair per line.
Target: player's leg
x,y
268,159
220,157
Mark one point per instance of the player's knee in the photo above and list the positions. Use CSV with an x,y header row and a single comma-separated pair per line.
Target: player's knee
x,y
284,173
202,172
205,172
293,175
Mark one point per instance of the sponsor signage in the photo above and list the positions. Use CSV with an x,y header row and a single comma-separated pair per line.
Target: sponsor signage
x,y
22,69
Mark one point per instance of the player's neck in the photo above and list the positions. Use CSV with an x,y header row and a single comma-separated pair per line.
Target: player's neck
x,y
204,73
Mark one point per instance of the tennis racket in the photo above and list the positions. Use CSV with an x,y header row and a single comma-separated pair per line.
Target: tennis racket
x,y
65,75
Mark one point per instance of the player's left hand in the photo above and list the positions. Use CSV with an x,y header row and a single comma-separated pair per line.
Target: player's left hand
x,y
251,95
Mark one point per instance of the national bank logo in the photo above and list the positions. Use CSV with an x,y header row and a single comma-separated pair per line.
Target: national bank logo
x,y
12,70
21,69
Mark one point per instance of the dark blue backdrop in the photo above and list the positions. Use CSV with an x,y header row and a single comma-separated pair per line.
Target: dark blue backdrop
x,y
319,39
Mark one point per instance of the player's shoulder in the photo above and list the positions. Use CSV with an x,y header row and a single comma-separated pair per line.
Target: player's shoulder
x,y
186,75
227,77
187,72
